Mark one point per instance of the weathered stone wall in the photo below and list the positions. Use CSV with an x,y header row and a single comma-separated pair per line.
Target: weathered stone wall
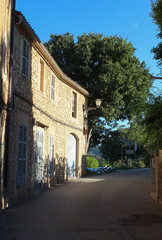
x,y
62,104
38,112
159,176
156,177
5,29
22,114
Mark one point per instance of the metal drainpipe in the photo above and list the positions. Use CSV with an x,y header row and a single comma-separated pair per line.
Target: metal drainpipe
x,y
10,106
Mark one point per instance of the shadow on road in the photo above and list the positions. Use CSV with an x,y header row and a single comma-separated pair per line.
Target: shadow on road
x,y
141,220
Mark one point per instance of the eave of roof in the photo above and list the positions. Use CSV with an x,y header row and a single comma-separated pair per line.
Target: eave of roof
x,y
37,42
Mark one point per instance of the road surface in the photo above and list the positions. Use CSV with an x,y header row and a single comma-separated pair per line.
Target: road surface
x,y
115,206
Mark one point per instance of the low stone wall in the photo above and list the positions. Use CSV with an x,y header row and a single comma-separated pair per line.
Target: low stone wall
x,y
156,176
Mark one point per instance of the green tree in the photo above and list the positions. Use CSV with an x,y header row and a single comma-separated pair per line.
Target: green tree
x,y
157,18
108,69
135,132
111,145
152,123
62,48
146,130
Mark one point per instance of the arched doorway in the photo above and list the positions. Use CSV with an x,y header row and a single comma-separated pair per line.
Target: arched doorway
x,y
71,156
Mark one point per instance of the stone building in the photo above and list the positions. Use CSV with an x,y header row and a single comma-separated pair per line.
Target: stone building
x,y
47,142
7,9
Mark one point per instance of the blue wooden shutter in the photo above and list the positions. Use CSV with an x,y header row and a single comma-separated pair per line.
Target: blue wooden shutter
x,y
21,163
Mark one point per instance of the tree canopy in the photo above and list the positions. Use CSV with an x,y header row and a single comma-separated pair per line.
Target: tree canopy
x,y
108,68
145,130
111,145
152,122
111,142
157,18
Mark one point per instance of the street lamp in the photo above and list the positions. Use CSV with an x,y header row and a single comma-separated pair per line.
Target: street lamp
x,y
98,103
87,109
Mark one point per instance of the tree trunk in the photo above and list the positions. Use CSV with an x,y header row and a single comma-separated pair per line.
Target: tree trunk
x,y
88,137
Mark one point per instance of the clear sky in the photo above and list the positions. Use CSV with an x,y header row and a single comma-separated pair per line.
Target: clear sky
x,y
126,18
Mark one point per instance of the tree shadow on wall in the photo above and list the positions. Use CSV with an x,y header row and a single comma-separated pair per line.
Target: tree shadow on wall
x,y
4,73
59,169
3,106
70,171
54,171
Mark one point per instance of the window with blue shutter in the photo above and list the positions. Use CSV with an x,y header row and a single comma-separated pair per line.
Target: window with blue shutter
x,y
21,163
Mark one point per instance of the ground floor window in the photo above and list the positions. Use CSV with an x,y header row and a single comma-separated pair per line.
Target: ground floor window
x,y
21,163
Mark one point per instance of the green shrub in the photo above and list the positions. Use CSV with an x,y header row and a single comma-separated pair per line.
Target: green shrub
x,y
92,162
103,164
140,163
116,164
120,165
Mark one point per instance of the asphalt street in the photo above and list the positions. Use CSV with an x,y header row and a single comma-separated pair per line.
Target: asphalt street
x,y
114,206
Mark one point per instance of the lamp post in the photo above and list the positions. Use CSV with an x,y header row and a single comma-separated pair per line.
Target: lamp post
x,y
85,111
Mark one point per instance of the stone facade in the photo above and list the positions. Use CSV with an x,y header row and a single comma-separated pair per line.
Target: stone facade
x,y
156,176
6,7
42,119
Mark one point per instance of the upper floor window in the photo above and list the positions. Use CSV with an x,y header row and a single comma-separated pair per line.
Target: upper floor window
x,y
53,87
41,75
25,63
74,104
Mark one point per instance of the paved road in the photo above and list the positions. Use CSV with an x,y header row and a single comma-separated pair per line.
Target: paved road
x,y
115,206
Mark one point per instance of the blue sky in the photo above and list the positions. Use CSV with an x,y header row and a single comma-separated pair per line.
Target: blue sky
x,y
126,18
